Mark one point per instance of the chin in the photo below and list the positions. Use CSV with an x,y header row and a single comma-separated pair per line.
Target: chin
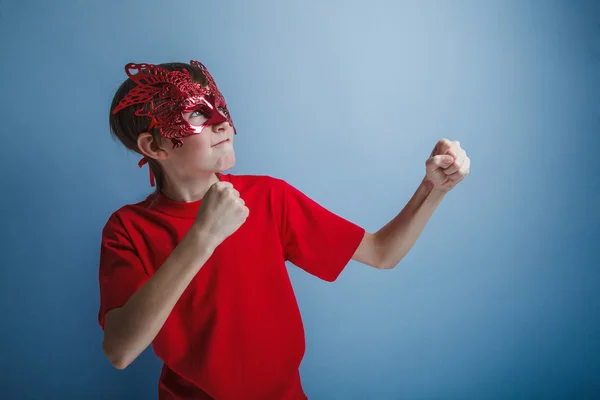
x,y
226,163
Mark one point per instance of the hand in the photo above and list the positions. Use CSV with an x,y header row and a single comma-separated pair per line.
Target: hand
x,y
447,165
221,213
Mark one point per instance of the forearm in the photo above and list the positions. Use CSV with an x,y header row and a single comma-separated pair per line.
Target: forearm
x,y
131,328
396,238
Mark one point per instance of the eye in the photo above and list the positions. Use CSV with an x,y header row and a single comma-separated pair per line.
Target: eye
x,y
198,114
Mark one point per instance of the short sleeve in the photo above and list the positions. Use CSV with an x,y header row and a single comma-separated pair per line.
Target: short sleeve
x,y
314,238
121,271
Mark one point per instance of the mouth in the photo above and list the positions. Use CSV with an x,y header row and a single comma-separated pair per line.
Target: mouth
x,y
221,142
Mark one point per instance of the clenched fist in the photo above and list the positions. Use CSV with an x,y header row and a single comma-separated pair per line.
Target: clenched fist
x,y
221,213
447,165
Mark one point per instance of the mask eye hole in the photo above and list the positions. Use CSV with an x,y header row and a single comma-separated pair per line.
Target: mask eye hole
x,y
197,117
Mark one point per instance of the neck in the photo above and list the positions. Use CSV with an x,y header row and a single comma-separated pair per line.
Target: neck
x,y
189,190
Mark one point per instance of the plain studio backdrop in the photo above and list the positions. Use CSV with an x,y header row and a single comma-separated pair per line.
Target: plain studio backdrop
x,y
345,100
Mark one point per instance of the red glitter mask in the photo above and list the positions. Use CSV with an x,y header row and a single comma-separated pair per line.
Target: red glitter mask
x,y
166,95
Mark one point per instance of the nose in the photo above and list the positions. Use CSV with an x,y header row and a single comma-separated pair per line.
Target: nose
x,y
220,127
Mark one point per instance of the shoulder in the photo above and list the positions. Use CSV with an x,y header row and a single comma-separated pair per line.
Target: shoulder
x,y
118,221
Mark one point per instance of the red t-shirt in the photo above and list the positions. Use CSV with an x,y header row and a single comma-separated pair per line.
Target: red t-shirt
x,y
236,332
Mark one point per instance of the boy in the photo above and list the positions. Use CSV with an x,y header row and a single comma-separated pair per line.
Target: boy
x,y
198,268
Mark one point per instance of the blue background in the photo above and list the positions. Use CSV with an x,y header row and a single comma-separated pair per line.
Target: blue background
x,y
499,298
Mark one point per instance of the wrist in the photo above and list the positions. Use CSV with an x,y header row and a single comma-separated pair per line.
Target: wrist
x,y
202,238
432,191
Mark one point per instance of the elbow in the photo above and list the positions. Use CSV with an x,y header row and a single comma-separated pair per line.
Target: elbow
x,y
119,364
385,264
382,256
116,358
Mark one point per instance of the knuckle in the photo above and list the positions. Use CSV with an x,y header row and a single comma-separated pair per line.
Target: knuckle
x,y
223,186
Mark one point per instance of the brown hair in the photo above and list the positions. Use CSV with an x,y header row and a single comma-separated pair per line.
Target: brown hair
x,y
126,126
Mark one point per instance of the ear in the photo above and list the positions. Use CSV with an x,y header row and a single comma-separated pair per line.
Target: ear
x,y
149,147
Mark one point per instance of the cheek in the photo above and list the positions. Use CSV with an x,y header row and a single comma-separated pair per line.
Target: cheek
x,y
199,141
194,146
